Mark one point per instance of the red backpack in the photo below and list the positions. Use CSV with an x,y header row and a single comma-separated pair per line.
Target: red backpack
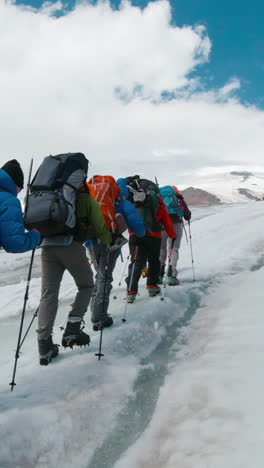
x,y
106,192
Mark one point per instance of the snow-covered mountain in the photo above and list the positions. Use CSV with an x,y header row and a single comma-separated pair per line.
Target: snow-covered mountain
x,y
227,187
198,197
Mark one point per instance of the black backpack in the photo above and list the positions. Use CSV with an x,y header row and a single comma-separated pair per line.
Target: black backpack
x,y
51,201
144,196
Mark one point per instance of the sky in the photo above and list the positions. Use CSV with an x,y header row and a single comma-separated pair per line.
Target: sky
x,y
170,88
237,37
180,382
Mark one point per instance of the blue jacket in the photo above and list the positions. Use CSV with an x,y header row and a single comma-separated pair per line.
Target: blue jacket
x,y
13,237
133,220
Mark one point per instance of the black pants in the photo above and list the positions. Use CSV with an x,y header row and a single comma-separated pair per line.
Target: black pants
x,y
148,251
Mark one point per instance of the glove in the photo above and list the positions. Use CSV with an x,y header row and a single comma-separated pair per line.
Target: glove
x,y
172,242
114,236
134,240
117,242
122,225
41,237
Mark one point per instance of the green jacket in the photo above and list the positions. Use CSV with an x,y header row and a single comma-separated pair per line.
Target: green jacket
x,y
90,221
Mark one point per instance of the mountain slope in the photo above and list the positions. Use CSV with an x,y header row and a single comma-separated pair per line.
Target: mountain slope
x,y
227,187
198,197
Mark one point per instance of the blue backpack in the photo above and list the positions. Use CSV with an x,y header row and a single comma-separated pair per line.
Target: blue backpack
x,y
173,203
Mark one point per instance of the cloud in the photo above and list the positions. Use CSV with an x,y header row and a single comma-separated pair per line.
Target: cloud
x,y
102,81
233,85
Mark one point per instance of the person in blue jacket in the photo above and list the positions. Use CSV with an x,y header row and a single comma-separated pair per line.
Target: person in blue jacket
x,y
102,256
13,237
133,221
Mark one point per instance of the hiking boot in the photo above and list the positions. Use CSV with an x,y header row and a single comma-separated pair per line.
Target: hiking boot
x,y
105,322
173,281
47,351
153,290
131,296
74,334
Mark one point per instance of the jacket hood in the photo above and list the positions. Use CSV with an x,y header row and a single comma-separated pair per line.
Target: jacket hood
x,y
176,190
7,183
123,187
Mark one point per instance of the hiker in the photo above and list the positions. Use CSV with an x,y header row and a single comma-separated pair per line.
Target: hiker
x,y
177,209
64,250
13,237
119,214
149,205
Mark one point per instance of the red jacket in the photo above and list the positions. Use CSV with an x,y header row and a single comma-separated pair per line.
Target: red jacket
x,y
163,218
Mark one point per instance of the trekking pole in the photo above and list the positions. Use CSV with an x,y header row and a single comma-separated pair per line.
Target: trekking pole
x,y
121,256
26,204
65,321
164,286
122,276
28,328
190,235
166,275
28,187
22,320
100,354
27,287
94,261
185,231
130,282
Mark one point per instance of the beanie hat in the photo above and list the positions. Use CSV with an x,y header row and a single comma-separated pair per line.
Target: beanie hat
x,y
14,170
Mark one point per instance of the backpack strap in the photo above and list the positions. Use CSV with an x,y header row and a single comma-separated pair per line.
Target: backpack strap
x,y
72,186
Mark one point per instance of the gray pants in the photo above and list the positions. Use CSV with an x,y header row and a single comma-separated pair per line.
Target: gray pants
x,y
166,243
55,260
103,279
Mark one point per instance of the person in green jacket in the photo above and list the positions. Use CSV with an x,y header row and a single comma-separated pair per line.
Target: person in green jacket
x,y
66,252
90,221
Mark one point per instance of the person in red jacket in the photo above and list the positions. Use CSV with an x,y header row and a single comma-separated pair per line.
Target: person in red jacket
x,y
147,249
177,220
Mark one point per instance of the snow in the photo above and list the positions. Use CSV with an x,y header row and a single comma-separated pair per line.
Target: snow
x,y
225,183
180,384
209,412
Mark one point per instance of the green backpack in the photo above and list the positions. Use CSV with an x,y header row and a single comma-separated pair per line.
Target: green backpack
x,y
144,196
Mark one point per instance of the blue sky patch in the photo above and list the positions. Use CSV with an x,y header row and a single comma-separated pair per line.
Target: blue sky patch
x,y
236,32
